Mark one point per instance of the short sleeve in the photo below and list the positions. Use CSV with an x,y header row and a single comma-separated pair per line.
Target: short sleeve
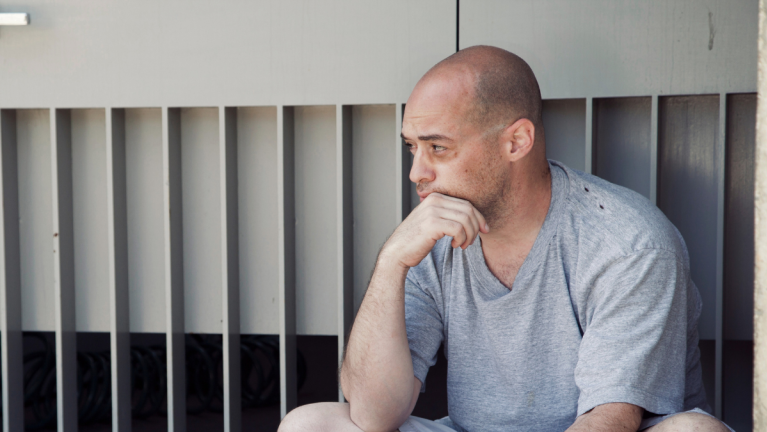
x,y
424,328
635,334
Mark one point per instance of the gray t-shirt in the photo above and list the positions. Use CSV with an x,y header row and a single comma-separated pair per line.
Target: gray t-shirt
x,y
602,310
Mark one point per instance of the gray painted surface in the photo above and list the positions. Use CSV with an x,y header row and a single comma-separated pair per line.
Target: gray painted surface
x,y
610,48
622,142
719,167
263,52
316,260
10,279
90,219
375,210
590,136
144,174
739,218
412,193
286,227
687,187
230,268
564,121
63,256
257,191
344,230
35,223
403,163
119,290
760,237
654,149
201,200
173,248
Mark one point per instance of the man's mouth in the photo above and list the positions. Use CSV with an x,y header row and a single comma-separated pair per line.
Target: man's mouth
x,y
420,189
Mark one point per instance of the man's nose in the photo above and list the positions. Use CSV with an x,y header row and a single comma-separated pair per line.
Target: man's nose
x,y
422,171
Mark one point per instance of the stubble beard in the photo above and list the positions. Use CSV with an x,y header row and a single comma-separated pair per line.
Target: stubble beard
x,y
490,191
496,203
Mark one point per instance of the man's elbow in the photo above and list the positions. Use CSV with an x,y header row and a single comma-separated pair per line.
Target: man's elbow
x,y
377,405
376,409
377,417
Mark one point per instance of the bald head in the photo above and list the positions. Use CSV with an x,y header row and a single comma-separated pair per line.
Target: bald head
x,y
504,87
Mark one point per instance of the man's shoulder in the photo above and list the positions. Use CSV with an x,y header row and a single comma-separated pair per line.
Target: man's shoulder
x,y
607,218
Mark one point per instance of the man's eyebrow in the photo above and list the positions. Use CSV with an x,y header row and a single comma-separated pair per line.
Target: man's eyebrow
x,y
432,137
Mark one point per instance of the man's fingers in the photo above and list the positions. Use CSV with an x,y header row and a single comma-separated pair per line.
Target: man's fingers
x,y
448,201
462,226
483,226
461,205
455,230
470,227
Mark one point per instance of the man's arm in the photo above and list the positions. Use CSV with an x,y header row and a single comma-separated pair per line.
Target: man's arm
x,y
377,374
609,417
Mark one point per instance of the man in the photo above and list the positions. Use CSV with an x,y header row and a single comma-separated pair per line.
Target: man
x,y
563,302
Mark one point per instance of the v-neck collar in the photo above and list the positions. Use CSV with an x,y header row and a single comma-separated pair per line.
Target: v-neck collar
x,y
493,287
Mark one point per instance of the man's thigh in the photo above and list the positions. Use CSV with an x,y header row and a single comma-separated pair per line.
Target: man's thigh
x,y
324,416
695,420
335,417
417,424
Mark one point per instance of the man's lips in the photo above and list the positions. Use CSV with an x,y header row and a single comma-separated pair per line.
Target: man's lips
x,y
422,194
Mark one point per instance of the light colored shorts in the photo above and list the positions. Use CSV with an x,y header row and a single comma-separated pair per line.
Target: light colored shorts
x,y
417,424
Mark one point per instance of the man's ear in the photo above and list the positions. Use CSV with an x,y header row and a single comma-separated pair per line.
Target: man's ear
x,y
519,138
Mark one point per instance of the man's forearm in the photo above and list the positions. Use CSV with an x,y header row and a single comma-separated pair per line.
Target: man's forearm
x,y
609,418
377,373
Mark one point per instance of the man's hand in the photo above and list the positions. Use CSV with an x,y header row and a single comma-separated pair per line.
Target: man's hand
x,y
609,417
436,217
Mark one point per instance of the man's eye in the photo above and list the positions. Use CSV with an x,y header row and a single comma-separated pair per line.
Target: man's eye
x,y
410,147
438,148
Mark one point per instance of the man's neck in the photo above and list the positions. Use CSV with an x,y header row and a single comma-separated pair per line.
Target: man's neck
x,y
510,240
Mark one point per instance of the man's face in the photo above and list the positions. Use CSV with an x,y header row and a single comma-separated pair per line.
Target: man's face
x,y
452,155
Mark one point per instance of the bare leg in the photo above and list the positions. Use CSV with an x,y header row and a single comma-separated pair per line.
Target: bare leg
x,y
319,417
689,422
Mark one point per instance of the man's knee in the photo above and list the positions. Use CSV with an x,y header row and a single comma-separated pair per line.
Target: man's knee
x,y
302,418
692,422
324,416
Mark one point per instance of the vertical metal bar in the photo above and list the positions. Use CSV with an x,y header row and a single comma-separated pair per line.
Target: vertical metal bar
x,y
403,198
174,269
589,136
720,186
401,183
340,285
230,267
10,278
64,270
286,220
760,232
117,238
654,150
344,228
